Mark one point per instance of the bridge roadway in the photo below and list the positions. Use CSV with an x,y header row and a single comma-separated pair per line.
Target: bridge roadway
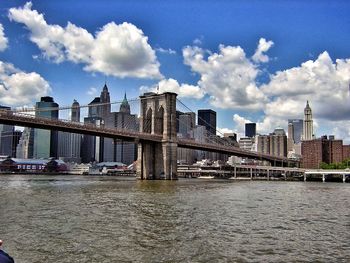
x,y
26,120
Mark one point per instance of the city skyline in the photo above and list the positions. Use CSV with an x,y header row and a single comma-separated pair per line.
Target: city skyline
x,y
272,72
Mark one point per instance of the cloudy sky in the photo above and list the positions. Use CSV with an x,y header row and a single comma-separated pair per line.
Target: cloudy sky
x,y
256,61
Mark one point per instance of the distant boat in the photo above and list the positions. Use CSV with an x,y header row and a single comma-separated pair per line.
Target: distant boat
x,y
206,177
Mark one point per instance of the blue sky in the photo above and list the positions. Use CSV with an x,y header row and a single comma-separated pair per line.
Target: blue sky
x,y
248,60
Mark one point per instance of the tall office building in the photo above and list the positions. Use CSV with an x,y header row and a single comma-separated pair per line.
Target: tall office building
x,y
24,148
275,143
90,147
98,148
186,123
207,118
250,130
69,144
119,150
75,111
105,99
6,137
308,123
278,143
297,130
45,141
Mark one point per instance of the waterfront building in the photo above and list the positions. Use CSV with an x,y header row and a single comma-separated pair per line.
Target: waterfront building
x,y
207,118
45,141
308,123
323,149
32,165
346,152
250,130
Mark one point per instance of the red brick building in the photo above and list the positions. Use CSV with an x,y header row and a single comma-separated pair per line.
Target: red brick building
x,y
316,151
346,152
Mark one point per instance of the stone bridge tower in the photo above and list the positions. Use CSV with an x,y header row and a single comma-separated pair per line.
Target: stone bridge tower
x,y
158,117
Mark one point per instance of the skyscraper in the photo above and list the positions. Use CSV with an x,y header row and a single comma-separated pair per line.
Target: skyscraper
x,y
275,143
90,148
207,118
45,141
75,111
308,123
250,130
297,129
119,150
105,98
6,137
24,148
69,143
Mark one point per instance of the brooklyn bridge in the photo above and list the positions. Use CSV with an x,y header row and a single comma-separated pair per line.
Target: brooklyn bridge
x,y
157,138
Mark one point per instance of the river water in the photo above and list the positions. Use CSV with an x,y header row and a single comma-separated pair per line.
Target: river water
x,y
108,219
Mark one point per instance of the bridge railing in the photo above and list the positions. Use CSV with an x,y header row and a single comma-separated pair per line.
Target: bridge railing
x,y
78,127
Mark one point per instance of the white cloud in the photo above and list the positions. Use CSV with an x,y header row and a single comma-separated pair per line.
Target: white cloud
x,y
227,76
120,50
321,81
263,47
324,83
166,51
3,39
171,85
222,131
198,41
92,91
19,88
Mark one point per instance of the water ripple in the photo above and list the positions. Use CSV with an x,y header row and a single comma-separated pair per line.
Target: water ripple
x,y
104,219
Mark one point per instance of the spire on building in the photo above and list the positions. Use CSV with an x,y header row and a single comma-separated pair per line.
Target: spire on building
x,y
308,123
105,99
125,107
75,114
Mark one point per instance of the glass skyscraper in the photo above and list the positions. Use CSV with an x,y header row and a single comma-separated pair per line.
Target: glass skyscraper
x,y
45,141
297,126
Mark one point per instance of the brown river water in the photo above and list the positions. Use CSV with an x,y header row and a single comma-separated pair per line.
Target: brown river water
x,y
110,219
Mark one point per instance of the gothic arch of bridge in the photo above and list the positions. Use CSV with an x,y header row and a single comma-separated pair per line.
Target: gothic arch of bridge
x,y
158,160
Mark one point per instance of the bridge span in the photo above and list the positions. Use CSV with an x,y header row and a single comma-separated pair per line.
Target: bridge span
x,y
157,138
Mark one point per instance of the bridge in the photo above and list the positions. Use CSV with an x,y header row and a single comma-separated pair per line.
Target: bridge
x,y
157,137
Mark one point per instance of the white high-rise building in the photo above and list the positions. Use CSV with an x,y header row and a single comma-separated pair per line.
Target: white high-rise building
x,y
308,123
24,148
69,143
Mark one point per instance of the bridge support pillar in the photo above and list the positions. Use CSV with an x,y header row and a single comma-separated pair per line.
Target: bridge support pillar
x,y
323,178
304,177
344,178
158,159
